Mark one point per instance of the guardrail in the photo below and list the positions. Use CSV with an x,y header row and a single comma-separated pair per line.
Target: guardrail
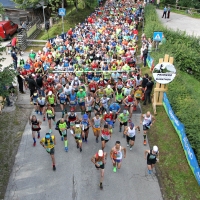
x,y
191,10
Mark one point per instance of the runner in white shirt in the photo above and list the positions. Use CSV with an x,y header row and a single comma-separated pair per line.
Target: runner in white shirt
x,y
130,132
116,155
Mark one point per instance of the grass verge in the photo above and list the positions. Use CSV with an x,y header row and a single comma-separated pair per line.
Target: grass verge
x,y
72,18
175,176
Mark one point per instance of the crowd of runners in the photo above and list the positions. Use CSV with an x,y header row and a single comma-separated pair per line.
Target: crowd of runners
x,y
93,71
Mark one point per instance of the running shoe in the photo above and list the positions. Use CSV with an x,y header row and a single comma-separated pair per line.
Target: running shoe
x,y
80,149
114,169
34,144
149,171
97,140
31,103
50,131
38,136
86,140
44,119
120,129
131,148
145,142
127,145
66,149
101,186
77,146
62,138
36,111
83,140
40,113
54,168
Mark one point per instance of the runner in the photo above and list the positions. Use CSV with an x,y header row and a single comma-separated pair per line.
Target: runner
x,y
96,125
99,159
62,128
63,98
147,121
71,118
119,96
104,103
105,136
81,99
115,109
89,101
48,142
35,127
152,156
116,155
72,99
85,122
130,102
34,100
50,116
41,105
76,132
108,118
123,119
97,106
51,99
130,134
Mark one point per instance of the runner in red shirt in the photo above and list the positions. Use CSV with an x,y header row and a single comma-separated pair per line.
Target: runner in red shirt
x,y
92,87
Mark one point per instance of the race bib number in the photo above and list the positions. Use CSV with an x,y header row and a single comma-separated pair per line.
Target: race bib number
x,y
80,100
89,108
138,95
97,107
72,102
62,101
93,89
152,157
106,137
72,123
64,132
48,150
35,126
108,119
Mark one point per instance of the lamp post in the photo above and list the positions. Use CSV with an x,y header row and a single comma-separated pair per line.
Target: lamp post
x,y
44,15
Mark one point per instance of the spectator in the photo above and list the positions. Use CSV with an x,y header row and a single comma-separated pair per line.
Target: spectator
x,y
14,57
148,90
24,25
168,12
20,80
164,12
145,53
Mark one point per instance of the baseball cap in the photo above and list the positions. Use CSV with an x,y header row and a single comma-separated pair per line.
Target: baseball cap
x,y
155,148
124,111
81,89
131,124
50,93
77,125
72,109
100,153
47,136
108,86
85,116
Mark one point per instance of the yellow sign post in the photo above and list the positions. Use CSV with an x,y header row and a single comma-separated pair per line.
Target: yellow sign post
x,y
160,88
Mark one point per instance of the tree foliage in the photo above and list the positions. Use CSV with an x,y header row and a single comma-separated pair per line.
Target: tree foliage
x,y
184,3
7,74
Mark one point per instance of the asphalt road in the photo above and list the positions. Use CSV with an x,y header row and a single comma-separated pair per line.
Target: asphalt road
x,y
76,176
182,23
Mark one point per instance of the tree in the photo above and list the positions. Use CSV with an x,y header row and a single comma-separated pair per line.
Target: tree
x,y
53,5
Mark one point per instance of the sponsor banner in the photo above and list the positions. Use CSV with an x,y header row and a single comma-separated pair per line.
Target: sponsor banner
x,y
150,61
180,129
164,73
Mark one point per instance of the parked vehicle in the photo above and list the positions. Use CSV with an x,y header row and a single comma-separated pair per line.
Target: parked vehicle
x,y
7,29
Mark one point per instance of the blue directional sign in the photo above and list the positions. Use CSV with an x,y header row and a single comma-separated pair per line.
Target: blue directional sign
x,y
62,11
157,36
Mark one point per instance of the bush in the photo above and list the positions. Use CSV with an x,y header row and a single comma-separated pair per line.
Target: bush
x,y
183,92
183,48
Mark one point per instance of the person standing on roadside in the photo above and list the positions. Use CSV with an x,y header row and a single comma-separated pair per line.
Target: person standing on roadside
x,y
148,90
20,80
99,159
14,57
168,12
164,12
32,86
152,156
48,142
116,155
145,54
147,120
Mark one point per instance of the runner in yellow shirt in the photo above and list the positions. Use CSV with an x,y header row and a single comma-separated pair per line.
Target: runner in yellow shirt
x,y
48,142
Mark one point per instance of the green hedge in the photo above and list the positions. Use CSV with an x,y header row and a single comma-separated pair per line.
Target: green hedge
x,y
184,91
185,49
